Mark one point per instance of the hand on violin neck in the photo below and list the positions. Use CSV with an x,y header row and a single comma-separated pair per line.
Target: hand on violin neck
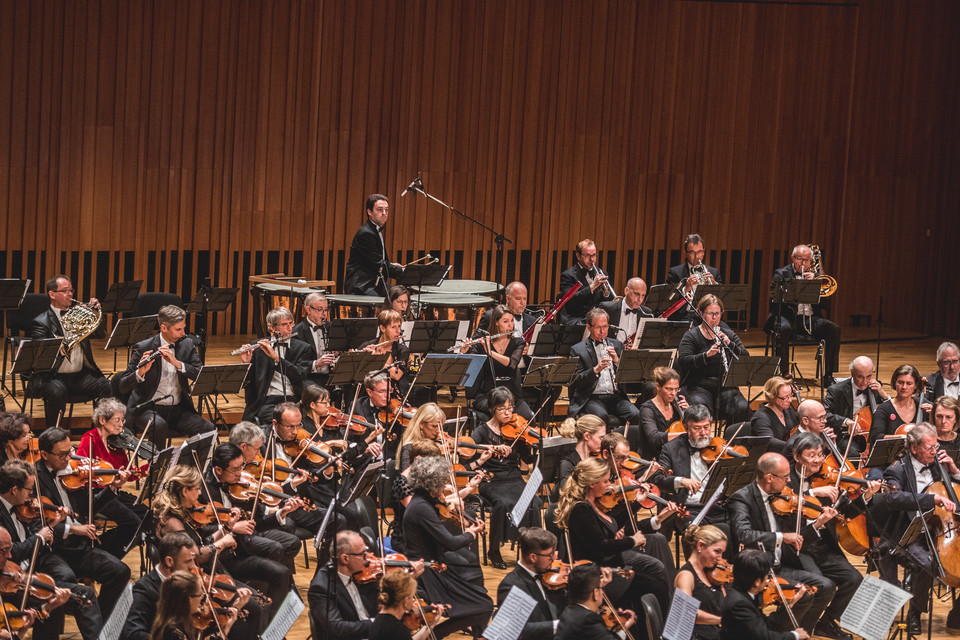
x,y
826,515
828,491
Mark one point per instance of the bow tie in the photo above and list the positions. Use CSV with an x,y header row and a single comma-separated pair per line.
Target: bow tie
x,y
318,328
62,312
590,272
862,392
633,311
955,383
598,343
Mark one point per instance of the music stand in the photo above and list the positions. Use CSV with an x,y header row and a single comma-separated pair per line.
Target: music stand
x,y
885,451
196,450
35,356
433,336
209,299
12,293
121,297
349,333
446,370
420,275
659,334
547,374
553,339
214,380
739,472
365,483
659,297
750,371
792,291
637,366
128,332
554,449
353,366
156,475
735,297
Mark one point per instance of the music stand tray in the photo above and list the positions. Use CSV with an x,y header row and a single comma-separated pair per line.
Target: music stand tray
x,y
796,291
12,293
551,339
658,297
363,485
556,371
423,275
751,371
443,370
349,333
432,336
129,331
637,366
121,297
660,334
353,366
36,355
217,300
219,379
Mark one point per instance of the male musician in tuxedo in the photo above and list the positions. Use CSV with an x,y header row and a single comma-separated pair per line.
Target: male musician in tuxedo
x,y
594,390
75,374
314,331
596,287
37,611
516,299
693,257
17,480
792,317
278,368
946,381
682,477
339,606
538,549
829,558
893,511
581,619
625,314
742,619
161,388
176,551
813,419
369,266
846,398
376,396
753,522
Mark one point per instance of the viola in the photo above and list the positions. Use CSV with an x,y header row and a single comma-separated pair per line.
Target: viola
x,y
557,576
718,445
463,475
613,620
126,441
787,503
634,462
42,587
337,419
395,411
271,493
770,595
423,614
203,617
852,482
720,574
376,566
204,514
517,428
32,454
276,469
224,588
303,443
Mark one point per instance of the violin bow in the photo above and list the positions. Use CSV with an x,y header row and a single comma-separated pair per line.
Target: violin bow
x,y
209,589
263,470
36,488
843,464
133,457
800,498
623,492
206,490
423,617
529,423
616,616
725,447
89,487
453,484
786,605
389,429
30,570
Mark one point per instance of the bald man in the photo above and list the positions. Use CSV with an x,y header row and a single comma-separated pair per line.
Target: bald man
x,y
847,397
813,419
626,313
516,301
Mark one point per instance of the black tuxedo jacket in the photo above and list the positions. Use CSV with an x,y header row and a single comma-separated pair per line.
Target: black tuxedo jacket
x,y
540,623
613,308
827,545
47,325
579,623
895,509
295,363
146,594
743,620
22,549
78,503
367,255
527,319
586,381
674,457
185,352
935,386
839,403
749,525
681,272
343,622
583,300
304,333
789,311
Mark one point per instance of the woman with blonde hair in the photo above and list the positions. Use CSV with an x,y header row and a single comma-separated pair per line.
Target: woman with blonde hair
x,y
707,546
588,430
398,595
777,417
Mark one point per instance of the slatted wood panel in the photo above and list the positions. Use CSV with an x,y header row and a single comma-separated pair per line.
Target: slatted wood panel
x,y
171,140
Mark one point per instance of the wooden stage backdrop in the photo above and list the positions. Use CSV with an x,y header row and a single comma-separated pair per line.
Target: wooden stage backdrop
x,y
174,139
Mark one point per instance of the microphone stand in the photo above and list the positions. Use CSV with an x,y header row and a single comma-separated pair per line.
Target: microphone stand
x,y
498,237
879,330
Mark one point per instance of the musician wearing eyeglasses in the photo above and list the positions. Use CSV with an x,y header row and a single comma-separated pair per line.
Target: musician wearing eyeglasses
x,y
813,419
314,331
808,318
75,374
595,285
945,381
693,271
625,314
369,267
164,382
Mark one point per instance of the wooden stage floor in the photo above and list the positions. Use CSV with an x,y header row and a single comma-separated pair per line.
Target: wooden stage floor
x,y
896,348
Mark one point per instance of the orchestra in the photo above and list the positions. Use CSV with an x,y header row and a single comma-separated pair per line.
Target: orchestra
x,y
623,496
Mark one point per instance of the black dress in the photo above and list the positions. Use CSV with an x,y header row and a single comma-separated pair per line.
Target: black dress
x,y
504,375
766,423
564,469
504,489
711,601
426,538
387,627
886,420
653,429
701,375
401,490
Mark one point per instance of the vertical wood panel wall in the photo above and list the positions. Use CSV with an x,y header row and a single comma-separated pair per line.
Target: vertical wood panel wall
x,y
175,139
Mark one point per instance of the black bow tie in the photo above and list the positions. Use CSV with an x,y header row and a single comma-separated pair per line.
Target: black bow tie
x,y
63,312
633,311
598,343
318,328
862,392
955,383
590,272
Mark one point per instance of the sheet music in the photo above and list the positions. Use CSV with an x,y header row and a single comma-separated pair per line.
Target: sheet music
x,y
111,630
682,617
873,608
287,614
536,479
511,616
641,324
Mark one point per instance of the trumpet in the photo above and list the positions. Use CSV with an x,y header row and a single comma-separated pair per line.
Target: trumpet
x,y
254,345
473,341
607,281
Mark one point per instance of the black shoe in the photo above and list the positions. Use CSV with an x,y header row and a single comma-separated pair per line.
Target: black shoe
x,y
913,622
828,628
953,618
497,563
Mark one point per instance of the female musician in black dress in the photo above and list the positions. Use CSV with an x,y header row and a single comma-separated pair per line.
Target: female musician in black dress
x,y
701,359
598,537
398,299
946,417
905,406
708,544
659,412
588,430
777,417
427,538
15,435
507,483
390,342
181,598
174,504
398,595
505,351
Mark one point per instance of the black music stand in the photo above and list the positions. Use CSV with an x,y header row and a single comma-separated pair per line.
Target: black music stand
x,y
121,297
433,336
660,297
156,475
792,291
364,484
449,370
417,276
735,297
12,293
739,472
637,366
353,366
35,356
197,450
885,451
751,371
207,300
553,339
660,334
214,380
548,375
345,334
553,450
128,332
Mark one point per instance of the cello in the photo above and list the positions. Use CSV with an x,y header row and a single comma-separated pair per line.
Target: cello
x,y
947,534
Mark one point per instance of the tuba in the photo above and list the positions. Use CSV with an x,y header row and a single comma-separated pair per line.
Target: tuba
x,y
828,284
78,322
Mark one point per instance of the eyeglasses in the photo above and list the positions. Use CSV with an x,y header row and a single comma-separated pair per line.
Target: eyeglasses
x,y
776,475
320,308
505,409
822,418
713,314
292,426
950,363
588,255
62,456
64,291
786,397
361,553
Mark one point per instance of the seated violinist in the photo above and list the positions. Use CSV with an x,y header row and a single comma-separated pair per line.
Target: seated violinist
x,y
581,618
37,610
846,399
15,435
702,578
317,414
507,483
742,618
369,408
504,351
907,405
400,609
538,551
180,609
427,424
910,479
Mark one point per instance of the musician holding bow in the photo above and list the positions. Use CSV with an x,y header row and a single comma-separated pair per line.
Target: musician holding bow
x,y
846,399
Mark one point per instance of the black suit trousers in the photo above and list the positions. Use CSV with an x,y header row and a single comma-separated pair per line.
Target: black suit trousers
x,y
89,618
186,423
57,391
820,329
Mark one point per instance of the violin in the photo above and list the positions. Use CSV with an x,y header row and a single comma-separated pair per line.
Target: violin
x,y
465,446
204,514
770,595
79,476
32,454
303,443
126,441
613,620
271,493
852,482
224,588
12,618
634,462
423,614
390,412
203,617
337,419
718,445
787,502
376,566
276,469
557,576
720,574
463,475
614,495
30,510
42,586
517,428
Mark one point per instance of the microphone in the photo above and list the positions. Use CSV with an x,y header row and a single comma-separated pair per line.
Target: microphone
x,y
410,187
149,402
